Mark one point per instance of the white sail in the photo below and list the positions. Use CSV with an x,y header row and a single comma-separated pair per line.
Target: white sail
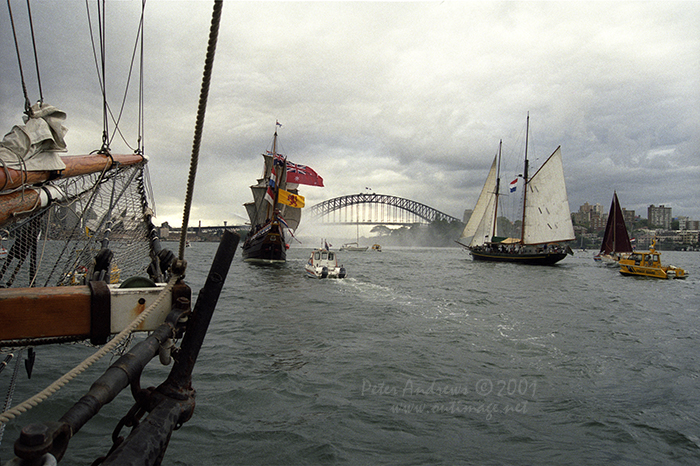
x,y
547,214
480,225
257,209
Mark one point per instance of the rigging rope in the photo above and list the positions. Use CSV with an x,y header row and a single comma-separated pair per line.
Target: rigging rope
x,y
206,80
27,104
100,67
101,13
36,55
11,389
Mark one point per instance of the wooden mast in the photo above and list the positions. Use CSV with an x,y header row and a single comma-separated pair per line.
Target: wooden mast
x,y
273,168
616,206
525,178
498,190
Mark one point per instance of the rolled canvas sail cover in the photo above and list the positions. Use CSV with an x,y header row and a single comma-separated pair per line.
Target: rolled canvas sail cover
x,y
34,145
547,214
480,225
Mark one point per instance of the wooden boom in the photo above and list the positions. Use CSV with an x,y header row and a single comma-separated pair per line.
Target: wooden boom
x,y
76,311
76,165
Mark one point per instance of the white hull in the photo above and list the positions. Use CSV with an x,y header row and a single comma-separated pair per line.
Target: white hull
x,y
353,247
324,272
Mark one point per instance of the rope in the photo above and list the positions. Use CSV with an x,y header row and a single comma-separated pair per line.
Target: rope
x,y
80,368
206,80
27,105
11,390
36,55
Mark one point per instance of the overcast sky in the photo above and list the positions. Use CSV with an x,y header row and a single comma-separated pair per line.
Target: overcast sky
x,y
408,99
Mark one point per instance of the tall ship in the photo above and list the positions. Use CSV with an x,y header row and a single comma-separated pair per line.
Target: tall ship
x,y
275,211
616,241
546,220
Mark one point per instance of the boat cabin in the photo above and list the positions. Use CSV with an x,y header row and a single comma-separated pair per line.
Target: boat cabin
x,y
324,256
646,259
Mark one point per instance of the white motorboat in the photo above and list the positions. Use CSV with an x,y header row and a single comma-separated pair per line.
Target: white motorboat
x,y
324,264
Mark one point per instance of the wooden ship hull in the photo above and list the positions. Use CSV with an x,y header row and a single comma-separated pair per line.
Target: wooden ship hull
x,y
266,245
544,258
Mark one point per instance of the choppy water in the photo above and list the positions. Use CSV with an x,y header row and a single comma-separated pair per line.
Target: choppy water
x,y
423,357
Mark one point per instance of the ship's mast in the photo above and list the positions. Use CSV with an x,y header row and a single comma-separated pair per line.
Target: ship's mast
x,y
615,206
277,181
498,190
525,178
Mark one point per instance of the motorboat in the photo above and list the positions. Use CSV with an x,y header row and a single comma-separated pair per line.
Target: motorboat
x,y
648,264
376,247
324,264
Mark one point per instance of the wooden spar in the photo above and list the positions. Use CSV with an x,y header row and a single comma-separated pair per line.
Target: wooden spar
x,y
15,204
24,312
76,165
67,311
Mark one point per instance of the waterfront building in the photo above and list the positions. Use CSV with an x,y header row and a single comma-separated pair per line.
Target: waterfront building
x,y
659,216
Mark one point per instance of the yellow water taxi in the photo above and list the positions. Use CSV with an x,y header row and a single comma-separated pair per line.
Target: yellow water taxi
x,y
648,264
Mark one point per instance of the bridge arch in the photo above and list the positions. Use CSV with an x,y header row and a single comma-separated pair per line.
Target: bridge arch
x,y
375,209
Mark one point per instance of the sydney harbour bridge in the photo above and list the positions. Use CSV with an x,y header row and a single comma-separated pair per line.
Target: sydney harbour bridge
x,y
374,209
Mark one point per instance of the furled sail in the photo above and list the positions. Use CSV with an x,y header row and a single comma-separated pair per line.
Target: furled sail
x,y
480,225
547,215
34,146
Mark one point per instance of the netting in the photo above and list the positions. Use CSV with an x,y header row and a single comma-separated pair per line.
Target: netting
x,y
104,219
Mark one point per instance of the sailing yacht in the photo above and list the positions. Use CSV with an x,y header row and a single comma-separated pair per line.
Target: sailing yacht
x,y
546,220
616,241
356,245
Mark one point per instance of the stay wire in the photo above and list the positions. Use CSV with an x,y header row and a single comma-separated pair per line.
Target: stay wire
x,y
102,15
100,67
36,55
141,117
27,104
139,38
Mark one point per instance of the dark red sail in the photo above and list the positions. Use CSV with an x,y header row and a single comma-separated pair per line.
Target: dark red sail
x,y
616,238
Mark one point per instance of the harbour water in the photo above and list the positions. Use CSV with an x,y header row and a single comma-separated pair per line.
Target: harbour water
x,y
424,357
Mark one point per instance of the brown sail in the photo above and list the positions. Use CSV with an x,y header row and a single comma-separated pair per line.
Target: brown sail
x,y
615,240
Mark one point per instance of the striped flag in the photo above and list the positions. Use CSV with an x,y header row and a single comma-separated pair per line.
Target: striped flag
x,y
513,185
270,193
